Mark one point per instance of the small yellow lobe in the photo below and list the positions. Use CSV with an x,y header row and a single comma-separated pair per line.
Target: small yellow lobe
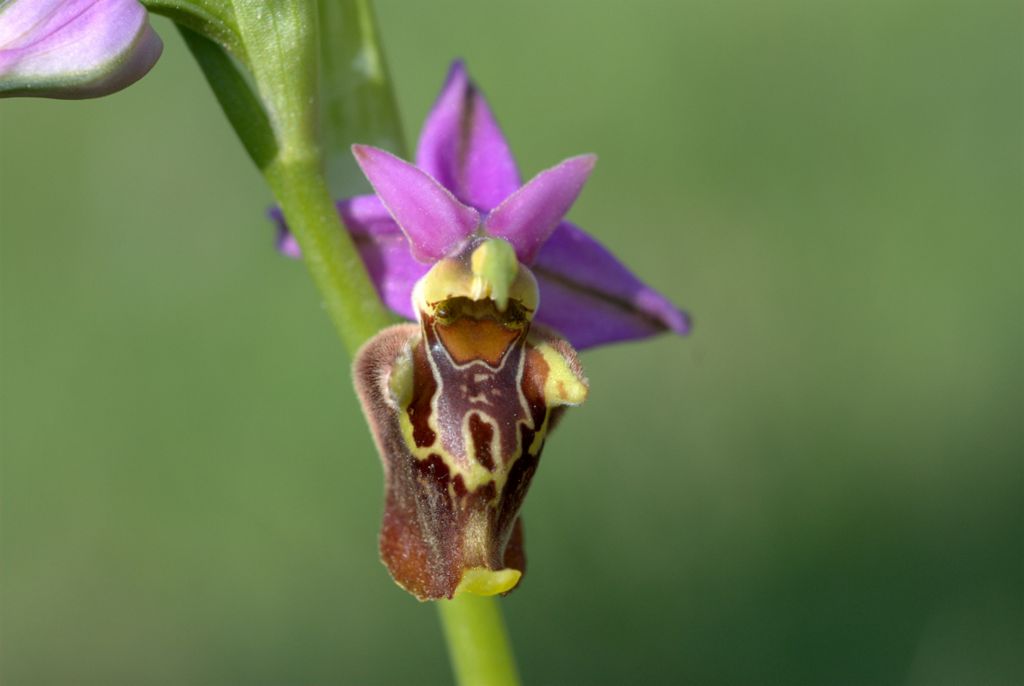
x,y
563,386
483,581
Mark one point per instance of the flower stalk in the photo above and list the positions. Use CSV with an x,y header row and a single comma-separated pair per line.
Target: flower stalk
x,y
478,644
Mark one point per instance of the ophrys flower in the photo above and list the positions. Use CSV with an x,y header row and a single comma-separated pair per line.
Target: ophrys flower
x,y
461,402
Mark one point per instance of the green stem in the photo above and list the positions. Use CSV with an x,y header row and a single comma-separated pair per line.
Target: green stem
x,y
274,113
348,295
478,643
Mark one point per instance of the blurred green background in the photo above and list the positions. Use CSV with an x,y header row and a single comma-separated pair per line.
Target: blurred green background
x,y
822,485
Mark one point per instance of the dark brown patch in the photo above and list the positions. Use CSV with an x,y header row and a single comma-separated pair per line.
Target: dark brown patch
x,y
434,472
482,433
514,492
424,387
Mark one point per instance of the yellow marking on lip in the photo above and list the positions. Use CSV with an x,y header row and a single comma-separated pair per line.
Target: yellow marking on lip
x,y
474,475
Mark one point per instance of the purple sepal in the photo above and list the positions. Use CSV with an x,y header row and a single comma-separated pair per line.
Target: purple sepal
x,y
591,298
426,211
462,146
527,217
74,48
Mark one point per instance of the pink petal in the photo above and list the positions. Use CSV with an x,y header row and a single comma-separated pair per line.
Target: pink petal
x,y
434,221
527,217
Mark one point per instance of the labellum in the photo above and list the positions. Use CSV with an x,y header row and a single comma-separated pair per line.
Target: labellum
x,y
459,405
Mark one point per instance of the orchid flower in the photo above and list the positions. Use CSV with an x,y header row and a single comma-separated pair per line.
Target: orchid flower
x,y
74,48
465,180
460,403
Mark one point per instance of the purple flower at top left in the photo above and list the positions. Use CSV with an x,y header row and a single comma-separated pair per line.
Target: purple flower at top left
x,y
74,49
